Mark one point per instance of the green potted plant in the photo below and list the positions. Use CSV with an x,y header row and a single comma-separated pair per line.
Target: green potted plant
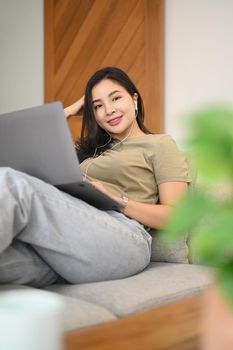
x,y
207,214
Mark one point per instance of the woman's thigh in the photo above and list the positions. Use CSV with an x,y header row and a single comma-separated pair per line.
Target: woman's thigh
x,y
80,242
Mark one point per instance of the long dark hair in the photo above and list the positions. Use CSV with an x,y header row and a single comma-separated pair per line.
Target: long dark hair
x,y
92,135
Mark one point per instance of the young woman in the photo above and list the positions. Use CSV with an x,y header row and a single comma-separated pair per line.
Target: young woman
x,y
46,235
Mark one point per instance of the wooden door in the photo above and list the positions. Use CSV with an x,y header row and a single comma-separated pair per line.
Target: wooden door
x,y
82,36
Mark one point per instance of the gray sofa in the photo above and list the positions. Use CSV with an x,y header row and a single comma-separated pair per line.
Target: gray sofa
x,y
169,276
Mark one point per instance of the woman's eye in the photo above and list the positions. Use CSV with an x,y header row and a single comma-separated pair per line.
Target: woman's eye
x,y
97,107
116,98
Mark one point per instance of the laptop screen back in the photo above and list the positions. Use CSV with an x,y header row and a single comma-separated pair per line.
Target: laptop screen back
x,y
38,142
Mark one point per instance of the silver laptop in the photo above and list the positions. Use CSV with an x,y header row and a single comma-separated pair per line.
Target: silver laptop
x,y
38,141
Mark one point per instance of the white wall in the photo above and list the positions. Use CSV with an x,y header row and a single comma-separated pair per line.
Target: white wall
x,y
21,54
198,58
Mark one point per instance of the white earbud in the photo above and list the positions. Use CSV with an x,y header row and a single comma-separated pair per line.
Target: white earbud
x,y
136,109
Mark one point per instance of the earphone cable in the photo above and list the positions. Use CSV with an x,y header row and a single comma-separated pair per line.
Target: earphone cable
x,y
116,144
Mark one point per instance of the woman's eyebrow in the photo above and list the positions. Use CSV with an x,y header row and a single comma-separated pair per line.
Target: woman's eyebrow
x,y
109,95
113,92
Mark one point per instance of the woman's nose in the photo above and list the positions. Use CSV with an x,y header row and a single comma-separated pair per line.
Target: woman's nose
x,y
109,109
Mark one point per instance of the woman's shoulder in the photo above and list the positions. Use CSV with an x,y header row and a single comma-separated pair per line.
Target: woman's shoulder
x,y
153,142
157,139
152,145
162,145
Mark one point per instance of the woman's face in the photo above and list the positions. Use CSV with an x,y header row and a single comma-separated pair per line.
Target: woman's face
x,y
114,109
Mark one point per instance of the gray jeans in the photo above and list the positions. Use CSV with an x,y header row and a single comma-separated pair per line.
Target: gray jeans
x,y
46,234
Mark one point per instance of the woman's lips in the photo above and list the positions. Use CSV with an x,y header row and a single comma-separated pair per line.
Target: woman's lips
x,y
115,121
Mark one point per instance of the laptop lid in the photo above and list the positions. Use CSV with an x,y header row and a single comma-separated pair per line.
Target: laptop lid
x,y
38,141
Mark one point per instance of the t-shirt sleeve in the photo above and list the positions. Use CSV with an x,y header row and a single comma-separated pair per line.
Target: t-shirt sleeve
x,y
170,163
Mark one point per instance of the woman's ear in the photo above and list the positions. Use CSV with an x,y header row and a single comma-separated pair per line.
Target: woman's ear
x,y
135,99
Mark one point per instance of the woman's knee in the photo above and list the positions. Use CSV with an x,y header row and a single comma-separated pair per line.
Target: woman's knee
x,y
20,264
10,177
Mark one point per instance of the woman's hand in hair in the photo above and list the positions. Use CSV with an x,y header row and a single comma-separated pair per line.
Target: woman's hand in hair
x,y
74,108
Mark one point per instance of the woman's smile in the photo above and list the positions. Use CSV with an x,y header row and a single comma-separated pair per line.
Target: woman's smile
x,y
115,121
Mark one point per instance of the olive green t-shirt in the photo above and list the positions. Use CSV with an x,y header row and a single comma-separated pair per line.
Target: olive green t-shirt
x,y
136,166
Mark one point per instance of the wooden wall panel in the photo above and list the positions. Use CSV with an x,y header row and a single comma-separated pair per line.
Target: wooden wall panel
x,y
82,36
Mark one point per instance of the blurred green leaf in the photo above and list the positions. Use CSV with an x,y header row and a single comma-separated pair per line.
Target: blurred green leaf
x,y
210,221
213,241
216,120
212,141
188,213
225,281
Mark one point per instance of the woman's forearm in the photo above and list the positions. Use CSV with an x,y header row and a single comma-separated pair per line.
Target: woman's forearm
x,y
151,215
74,108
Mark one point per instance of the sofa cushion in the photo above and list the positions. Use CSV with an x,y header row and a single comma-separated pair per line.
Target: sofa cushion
x,y
77,313
177,252
159,283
